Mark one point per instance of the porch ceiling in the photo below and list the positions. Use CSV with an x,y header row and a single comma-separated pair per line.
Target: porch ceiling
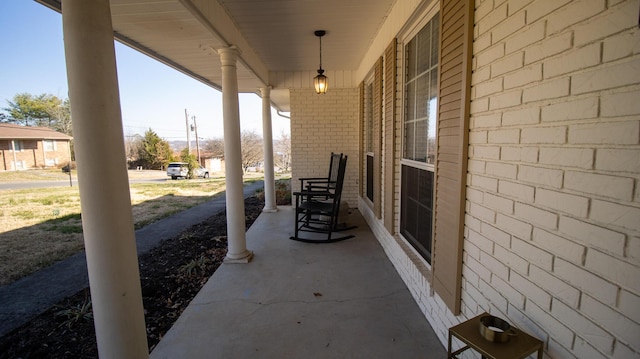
x,y
272,35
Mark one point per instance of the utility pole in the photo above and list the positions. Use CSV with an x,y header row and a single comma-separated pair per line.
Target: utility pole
x,y
195,128
186,119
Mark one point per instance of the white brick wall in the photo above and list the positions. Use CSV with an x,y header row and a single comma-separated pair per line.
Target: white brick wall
x,y
555,173
552,222
321,124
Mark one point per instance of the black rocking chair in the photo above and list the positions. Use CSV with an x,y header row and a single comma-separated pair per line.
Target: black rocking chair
x,y
317,210
323,184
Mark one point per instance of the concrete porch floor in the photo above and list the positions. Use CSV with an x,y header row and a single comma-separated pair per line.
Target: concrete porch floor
x,y
301,300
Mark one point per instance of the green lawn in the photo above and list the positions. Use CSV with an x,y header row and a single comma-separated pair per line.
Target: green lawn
x,y
41,226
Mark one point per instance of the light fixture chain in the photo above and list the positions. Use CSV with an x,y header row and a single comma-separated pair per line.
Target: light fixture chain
x,y
320,37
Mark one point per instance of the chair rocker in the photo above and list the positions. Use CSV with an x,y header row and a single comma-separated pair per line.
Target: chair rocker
x,y
317,211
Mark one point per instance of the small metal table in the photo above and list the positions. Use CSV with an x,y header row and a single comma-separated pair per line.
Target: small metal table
x,y
519,346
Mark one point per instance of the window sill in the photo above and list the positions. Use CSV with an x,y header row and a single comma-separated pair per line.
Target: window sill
x,y
421,265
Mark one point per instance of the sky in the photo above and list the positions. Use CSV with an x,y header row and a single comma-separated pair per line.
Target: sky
x,y
152,95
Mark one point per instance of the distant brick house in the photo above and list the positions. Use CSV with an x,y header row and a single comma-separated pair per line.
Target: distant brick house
x,y
24,147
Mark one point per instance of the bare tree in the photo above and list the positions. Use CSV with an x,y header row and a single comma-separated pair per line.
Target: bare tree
x,y
282,152
251,143
132,145
252,153
214,147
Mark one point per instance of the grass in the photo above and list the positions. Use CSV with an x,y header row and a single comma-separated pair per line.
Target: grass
x,y
35,175
42,226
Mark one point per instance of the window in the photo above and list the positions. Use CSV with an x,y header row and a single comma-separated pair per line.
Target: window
x,y
373,138
368,128
368,118
49,145
369,189
419,138
17,145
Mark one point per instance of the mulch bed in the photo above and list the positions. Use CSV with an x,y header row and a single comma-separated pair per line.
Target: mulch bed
x,y
171,275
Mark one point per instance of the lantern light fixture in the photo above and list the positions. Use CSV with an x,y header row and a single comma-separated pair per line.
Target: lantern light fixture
x,y
320,81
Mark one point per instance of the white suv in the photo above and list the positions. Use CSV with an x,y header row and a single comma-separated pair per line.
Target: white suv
x,y
201,172
180,169
177,169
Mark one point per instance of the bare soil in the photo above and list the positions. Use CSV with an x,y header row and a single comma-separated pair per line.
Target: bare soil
x,y
171,275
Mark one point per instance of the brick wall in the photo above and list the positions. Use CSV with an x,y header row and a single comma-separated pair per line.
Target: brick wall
x,y
59,156
33,155
321,124
29,156
552,235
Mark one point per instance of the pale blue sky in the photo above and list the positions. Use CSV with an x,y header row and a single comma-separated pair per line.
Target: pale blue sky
x,y
152,95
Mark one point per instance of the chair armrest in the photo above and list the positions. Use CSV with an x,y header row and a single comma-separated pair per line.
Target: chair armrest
x,y
312,193
313,178
319,185
320,190
320,182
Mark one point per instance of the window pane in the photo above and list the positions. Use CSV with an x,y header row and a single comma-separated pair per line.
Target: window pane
x,y
431,143
409,140
17,145
410,109
432,109
421,141
369,118
48,145
422,96
370,177
424,49
435,27
425,212
416,202
410,54
433,92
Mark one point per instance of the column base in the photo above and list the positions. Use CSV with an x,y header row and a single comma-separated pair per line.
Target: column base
x,y
244,258
270,210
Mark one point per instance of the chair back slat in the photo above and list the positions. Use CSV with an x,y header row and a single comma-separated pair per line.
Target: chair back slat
x,y
333,166
342,167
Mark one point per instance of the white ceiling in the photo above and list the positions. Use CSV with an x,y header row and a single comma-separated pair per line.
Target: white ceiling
x,y
282,31
272,35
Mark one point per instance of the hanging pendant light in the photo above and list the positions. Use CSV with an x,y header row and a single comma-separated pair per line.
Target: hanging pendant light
x,y
320,81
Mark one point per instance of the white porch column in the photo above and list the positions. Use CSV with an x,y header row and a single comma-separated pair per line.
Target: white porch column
x,y
107,219
267,134
236,234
